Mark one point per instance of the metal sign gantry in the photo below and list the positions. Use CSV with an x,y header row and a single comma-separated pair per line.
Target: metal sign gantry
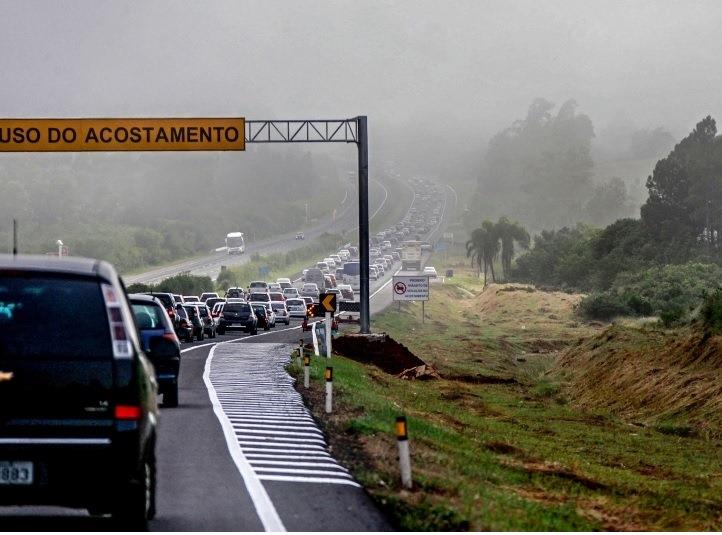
x,y
330,131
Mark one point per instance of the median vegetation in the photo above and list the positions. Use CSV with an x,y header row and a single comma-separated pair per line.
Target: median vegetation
x,y
272,266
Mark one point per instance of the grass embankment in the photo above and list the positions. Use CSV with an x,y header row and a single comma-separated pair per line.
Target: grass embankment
x,y
496,444
682,370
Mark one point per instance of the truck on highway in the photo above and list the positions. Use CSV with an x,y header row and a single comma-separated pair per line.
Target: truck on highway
x,y
411,255
235,243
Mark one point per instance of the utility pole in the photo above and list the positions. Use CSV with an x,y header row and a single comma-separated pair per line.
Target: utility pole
x,y
15,237
363,221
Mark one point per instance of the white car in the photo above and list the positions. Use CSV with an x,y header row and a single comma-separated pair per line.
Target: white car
x,y
274,287
217,312
296,307
310,289
282,315
288,293
346,292
430,271
331,263
373,273
269,311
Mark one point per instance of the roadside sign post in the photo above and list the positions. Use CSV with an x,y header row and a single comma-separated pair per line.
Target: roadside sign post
x,y
411,288
306,370
402,439
327,303
328,334
329,389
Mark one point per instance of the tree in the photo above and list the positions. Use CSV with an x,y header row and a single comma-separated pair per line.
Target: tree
x,y
538,170
483,248
608,203
510,232
685,191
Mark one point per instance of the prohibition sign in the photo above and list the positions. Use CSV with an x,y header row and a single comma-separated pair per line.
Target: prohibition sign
x,y
400,288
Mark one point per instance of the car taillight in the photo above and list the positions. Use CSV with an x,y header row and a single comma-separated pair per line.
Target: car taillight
x,y
171,336
127,412
122,347
171,313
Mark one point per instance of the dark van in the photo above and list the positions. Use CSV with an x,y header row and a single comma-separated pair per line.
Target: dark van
x,y
78,405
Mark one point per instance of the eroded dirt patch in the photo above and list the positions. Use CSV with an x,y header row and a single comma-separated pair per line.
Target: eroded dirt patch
x,y
380,350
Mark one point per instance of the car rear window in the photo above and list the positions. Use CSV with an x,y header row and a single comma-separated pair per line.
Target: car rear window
x,y
50,318
166,299
148,316
276,305
236,307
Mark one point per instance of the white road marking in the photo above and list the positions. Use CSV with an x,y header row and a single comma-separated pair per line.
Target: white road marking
x,y
246,425
261,501
266,453
255,462
310,480
300,471
269,421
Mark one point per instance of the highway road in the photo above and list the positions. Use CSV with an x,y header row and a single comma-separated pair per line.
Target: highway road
x,y
210,265
241,452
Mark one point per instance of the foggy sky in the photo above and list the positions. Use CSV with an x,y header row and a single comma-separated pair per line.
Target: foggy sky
x,y
458,69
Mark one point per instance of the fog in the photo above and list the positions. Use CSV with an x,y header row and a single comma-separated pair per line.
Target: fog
x,y
464,67
437,79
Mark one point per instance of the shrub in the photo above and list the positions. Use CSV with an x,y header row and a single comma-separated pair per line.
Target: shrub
x,y
603,306
138,288
639,305
712,312
671,316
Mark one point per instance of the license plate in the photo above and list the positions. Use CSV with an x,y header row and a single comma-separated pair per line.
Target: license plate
x,y
16,473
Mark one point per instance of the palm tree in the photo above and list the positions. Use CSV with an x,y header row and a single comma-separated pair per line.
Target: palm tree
x,y
483,248
510,232
475,250
491,246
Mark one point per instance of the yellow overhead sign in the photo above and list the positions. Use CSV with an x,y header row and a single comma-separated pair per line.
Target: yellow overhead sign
x,y
83,135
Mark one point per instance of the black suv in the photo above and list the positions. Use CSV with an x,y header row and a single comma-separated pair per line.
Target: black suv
x,y
238,316
169,303
78,405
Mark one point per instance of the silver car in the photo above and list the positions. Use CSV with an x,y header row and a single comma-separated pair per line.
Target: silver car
x,y
282,315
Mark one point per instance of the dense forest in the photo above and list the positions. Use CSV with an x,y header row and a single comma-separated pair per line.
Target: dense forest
x,y
146,208
540,170
663,263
